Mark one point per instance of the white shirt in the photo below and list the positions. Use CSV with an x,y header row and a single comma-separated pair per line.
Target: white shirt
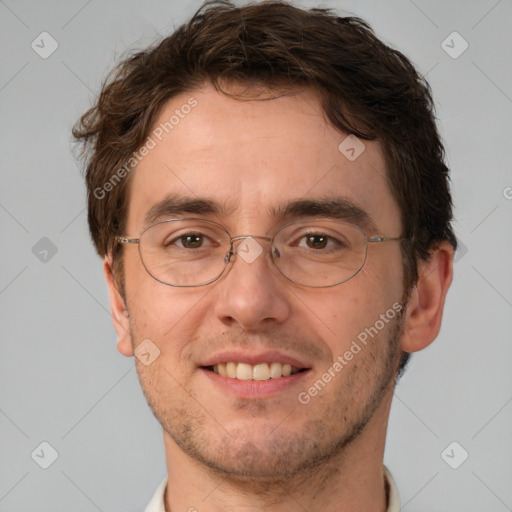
x,y
157,502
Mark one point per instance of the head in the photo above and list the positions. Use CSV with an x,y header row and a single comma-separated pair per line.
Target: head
x,y
242,111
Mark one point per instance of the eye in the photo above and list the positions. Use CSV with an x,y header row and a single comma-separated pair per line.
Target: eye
x,y
192,240
319,241
316,241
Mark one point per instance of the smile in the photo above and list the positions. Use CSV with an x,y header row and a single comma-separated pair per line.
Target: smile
x,y
259,372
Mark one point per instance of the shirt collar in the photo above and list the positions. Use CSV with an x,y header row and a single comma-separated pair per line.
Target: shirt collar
x,y
392,492
157,502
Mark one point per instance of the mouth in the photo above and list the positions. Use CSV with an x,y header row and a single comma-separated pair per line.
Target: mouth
x,y
257,372
257,375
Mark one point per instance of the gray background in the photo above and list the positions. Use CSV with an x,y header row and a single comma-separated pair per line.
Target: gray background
x,y
62,380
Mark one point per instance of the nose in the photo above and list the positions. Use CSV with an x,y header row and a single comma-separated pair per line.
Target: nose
x,y
252,293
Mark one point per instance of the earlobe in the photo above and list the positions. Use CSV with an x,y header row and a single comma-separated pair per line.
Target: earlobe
x,y
426,303
118,311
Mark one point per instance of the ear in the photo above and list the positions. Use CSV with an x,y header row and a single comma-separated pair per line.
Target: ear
x,y
426,303
118,311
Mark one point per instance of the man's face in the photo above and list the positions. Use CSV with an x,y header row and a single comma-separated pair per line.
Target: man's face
x,y
252,156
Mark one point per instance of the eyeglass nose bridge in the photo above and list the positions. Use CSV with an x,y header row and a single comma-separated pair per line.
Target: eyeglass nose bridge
x,y
232,251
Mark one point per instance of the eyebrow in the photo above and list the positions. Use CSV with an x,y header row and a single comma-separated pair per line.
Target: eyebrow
x,y
337,207
340,208
176,204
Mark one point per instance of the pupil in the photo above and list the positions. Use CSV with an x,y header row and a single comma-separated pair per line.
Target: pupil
x,y
191,240
317,241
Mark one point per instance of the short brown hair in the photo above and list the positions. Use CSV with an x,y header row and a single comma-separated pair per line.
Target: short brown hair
x,y
366,88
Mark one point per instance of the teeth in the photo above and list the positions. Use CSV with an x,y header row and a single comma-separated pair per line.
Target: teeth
x,y
260,371
221,367
244,371
276,370
231,370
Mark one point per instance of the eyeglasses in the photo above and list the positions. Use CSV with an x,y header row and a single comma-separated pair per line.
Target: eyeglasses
x,y
317,253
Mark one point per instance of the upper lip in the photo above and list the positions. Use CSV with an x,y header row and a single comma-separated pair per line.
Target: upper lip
x,y
268,356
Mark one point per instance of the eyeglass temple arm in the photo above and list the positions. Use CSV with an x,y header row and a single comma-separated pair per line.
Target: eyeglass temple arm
x,y
122,240
385,238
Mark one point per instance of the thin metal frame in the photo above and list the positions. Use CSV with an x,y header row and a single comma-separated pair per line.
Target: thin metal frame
x,y
232,240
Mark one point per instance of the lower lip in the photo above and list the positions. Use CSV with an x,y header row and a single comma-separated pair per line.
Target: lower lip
x,y
255,388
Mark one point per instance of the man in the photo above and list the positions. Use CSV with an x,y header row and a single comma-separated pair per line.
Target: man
x,y
268,192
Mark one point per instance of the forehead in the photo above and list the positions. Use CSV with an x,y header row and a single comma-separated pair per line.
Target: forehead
x,y
253,157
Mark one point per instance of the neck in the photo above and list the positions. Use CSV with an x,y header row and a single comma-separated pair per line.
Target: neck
x,y
350,481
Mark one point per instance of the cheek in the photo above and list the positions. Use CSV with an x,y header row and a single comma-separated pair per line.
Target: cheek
x,y
163,314
343,312
383,272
